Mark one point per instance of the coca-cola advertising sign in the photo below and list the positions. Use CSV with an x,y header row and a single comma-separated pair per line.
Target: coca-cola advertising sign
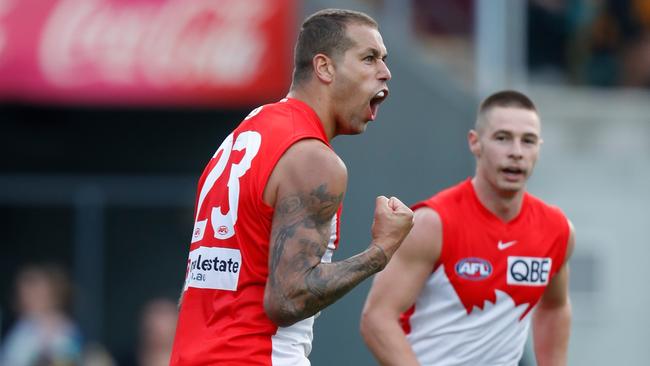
x,y
146,52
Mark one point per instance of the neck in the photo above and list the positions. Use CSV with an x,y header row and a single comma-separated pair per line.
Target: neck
x,y
504,205
319,102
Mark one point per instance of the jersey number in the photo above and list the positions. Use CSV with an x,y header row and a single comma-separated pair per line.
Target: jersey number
x,y
223,225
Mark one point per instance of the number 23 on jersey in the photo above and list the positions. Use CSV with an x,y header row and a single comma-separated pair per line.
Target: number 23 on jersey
x,y
223,224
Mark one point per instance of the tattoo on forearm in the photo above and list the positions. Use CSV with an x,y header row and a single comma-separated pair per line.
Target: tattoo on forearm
x,y
307,285
329,282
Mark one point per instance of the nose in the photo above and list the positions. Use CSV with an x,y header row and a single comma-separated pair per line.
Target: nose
x,y
516,151
384,72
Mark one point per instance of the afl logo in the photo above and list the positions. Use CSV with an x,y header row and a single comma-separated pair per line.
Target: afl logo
x,y
475,269
223,230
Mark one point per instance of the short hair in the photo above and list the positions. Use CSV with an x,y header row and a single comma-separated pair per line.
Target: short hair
x,y
504,99
325,32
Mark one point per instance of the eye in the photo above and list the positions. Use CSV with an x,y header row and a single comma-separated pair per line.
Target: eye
x,y
500,137
369,58
530,140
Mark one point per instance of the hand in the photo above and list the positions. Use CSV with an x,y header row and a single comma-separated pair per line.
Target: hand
x,y
392,222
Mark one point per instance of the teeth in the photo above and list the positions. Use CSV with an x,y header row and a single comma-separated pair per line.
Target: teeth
x,y
381,94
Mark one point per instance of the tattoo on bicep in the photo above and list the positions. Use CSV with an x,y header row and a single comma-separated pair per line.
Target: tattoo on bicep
x,y
305,219
311,211
284,234
290,205
327,203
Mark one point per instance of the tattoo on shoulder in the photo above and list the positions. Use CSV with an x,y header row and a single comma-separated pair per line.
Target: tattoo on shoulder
x,y
318,205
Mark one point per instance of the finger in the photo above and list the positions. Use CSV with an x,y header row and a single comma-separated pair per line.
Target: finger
x,y
395,204
392,204
381,201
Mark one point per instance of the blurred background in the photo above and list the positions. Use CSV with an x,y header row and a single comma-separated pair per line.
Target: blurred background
x,y
110,109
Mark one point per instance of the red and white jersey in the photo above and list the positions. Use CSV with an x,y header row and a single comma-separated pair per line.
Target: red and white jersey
x,y
222,319
475,307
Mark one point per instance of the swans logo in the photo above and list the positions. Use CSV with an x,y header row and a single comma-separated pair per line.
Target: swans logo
x,y
474,269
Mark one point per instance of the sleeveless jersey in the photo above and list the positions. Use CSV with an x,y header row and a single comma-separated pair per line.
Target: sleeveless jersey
x,y
222,319
474,308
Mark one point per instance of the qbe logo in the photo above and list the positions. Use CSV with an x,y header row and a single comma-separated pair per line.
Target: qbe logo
x,y
529,271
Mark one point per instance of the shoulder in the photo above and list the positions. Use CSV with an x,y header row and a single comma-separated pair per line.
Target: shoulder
x,y
311,157
444,198
273,117
554,216
571,241
427,216
425,239
307,166
541,205
288,115
547,212
280,107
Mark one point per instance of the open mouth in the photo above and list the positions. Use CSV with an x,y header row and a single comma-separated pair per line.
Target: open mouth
x,y
514,172
376,100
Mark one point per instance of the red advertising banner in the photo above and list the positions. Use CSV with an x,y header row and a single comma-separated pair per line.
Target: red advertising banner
x,y
224,53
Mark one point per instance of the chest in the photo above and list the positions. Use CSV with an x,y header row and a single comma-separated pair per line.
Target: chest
x,y
519,260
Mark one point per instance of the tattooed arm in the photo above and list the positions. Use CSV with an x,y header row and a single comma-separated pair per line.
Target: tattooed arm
x,y
306,188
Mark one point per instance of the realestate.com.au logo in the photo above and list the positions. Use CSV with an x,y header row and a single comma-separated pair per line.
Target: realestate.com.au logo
x,y
213,268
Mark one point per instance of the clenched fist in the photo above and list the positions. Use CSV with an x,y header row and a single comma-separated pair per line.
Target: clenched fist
x,y
392,222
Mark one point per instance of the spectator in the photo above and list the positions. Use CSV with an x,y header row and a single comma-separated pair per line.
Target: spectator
x,y
43,334
156,334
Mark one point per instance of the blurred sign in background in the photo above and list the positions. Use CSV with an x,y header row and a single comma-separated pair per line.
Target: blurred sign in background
x,y
153,52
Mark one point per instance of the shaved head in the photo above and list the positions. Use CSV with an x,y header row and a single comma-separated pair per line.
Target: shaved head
x,y
504,99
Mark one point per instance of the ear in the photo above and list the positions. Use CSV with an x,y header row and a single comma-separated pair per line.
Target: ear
x,y
474,143
323,68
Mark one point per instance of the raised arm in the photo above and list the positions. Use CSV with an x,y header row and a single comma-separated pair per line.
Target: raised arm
x,y
552,317
306,189
396,288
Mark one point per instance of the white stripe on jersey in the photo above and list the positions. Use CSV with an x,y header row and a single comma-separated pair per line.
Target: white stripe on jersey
x,y
292,344
442,333
331,247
